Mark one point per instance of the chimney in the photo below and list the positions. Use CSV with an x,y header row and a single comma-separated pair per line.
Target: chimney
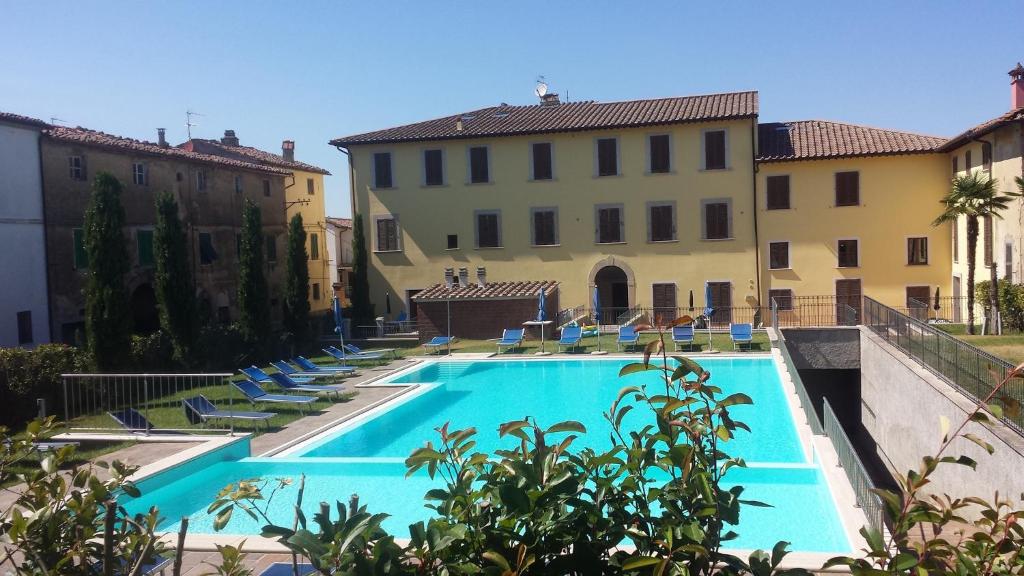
x,y
229,138
161,137
458,124
463,277
1017,87
288,150
550,100
449,277
481,276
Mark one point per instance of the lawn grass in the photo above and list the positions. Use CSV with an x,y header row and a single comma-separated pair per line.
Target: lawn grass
x,y
1009,347
82,455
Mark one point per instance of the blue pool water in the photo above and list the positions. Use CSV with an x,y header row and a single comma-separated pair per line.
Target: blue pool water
x,y
366,458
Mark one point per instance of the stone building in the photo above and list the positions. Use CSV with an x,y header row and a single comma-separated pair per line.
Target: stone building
x,y
210,191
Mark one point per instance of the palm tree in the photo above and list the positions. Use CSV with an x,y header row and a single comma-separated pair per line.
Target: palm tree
x,y
975,196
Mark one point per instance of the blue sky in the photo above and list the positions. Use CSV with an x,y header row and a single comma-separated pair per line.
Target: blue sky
x,y
311,71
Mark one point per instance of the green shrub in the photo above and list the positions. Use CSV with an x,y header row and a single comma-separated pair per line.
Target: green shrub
x,y
153,352
29,374
223,348
1011,302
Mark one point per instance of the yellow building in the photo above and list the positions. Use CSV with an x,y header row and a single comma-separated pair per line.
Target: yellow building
x,y
649,201
304,194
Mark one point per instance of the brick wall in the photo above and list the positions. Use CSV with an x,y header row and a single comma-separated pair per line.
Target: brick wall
x,y
482,319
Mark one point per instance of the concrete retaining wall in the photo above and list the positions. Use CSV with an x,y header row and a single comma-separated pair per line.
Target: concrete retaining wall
x,y
824,348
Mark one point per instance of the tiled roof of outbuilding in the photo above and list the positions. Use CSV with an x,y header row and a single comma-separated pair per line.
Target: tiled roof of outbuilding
x,y
821,139
489,291
247,154
505,120
103,140
24,120
982,129
345,223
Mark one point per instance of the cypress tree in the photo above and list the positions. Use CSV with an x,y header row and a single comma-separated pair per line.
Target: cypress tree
x,y
296,296
362,309
175,295
107,316
253,303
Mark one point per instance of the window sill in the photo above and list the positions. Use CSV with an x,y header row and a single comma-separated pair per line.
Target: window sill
x,y
664,173
847,267
456,249
726,169
780,269
487,183
600,176
718,239
490,248
381,188
445,185
917,264
672,241
386,251
846,205
777,209
545,245
541,180
608,243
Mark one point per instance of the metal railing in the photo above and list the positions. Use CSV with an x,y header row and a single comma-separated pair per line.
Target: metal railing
x,y
967,368
89,398
630,315
856,473
814,311
813,420
567,315
945,310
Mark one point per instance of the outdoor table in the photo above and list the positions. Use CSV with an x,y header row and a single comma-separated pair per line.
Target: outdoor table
x,y
542,324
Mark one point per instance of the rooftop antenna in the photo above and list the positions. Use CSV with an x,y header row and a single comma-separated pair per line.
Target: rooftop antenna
x,y
542,87
188,121
55,120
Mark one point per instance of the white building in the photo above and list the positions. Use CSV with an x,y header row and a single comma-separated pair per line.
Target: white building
x,y
24,306
339,250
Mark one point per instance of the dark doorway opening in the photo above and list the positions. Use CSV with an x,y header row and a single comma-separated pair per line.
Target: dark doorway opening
x,y
145,318
613,288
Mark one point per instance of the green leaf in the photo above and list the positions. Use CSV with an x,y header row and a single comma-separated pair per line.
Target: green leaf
x,y
734,399
633,369
639,562
988,447
509,427
515,498
567,426
496,559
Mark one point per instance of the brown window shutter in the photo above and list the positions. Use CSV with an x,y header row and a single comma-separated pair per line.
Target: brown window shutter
x,y
988,240
847,188
778,192
714,150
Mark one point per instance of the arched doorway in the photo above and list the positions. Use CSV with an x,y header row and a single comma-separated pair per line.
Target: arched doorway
x,y
613,287
145,319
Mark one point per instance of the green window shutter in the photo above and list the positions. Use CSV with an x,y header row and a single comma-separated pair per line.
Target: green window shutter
x,y
81,256
145,242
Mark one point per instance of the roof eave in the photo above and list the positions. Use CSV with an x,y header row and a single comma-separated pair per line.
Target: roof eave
x,y
778,159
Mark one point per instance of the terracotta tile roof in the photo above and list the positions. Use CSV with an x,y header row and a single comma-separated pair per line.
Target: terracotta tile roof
x,y
982,129
505,120
345,223
247,154
819,139
490,291
100,139
24,120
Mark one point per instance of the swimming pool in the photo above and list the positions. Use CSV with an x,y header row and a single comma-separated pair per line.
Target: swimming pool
x,y
365,456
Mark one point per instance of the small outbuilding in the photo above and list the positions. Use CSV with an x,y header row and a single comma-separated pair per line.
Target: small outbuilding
x,y
481,310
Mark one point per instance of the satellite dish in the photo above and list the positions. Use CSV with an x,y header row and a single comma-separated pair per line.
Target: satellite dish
x,y
542,88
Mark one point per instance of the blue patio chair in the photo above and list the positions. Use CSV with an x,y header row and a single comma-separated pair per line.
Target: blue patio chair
x,y
312,367
256,394
257,375
286,368
156,565
199,409
132,420
346,356
571,337
287,383
682,335
357,351
438,342
627,337
741,334
510,339
285,569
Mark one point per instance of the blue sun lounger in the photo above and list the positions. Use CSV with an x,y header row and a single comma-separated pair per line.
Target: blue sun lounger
x,y
257,375
256,394
353,349
510,339
741,334
345,355
287,383
682,335
199,409
286,368
437,342
571,337
627,337
132,420
313,368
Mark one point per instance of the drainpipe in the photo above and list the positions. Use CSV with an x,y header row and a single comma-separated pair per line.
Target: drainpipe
x,y
753,179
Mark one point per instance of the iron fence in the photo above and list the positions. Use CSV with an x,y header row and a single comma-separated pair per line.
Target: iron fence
x,y
567,315
945,310
814,311
856,473
90,398
720,319
967,368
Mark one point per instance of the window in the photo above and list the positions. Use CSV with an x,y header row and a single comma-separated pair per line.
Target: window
x,y
917,251
610,225
659,152
76,167
847,188
714,150
664,300
433,167
207,254
544,231
607,156
488,229
201,180
238,184
314,247
144,242
387,234
266,188
271,241
478,168
382,170
783,298
967,160
847,252
316,291
661,222
989,233
778,192
140,177
1008,260
541,158
81,256
453,241
717,225
956,164
986,156
310,186
778,255
956,241
25,327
